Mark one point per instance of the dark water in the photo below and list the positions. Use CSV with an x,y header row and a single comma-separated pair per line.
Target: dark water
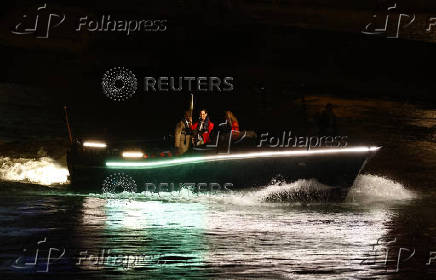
x,y
228,236
385,229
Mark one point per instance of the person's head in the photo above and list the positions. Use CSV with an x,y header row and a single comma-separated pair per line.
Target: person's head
x,y
329,107
203,114
230,117
188,115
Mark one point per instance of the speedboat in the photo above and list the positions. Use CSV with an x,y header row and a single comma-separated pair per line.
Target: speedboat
x,y
114,162
154,166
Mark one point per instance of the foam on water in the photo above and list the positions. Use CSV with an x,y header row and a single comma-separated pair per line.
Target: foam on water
x,y
366,189
372,188
43,171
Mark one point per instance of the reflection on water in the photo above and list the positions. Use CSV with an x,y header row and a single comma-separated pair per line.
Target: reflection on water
x,y
161,237
231,236
293,242
236,235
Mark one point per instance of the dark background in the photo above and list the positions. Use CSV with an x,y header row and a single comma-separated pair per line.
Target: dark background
x,y
283,54
277,51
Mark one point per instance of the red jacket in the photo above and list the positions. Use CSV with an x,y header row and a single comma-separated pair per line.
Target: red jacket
x,y
235,130
205,134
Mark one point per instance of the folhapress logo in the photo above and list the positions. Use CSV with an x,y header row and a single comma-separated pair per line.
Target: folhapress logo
x,y
44,21
119,83
108,24
399,23
41,25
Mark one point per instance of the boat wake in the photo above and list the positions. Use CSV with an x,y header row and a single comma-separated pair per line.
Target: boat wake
x,y
299,191
366,189
372,188
43,171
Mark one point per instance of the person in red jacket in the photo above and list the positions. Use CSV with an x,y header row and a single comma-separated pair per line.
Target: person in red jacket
x,y
202,129
232,122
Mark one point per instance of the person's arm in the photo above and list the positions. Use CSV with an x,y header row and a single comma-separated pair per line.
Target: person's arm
x,y
206,134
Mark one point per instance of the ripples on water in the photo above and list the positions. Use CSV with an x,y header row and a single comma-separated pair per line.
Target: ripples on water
x,y
234,235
